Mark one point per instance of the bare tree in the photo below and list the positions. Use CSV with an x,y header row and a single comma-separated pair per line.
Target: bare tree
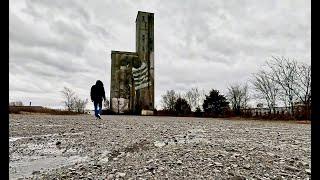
x,y
178,95
69,98
169,99
284,73
72,101
202,97
303,85
266,88
79,104
245,96
193,98
238,96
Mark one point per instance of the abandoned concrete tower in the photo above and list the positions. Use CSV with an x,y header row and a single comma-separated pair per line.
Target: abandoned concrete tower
x,y
132,73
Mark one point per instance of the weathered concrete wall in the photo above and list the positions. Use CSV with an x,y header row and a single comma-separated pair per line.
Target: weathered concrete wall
x,y
132,73
122,87
145,50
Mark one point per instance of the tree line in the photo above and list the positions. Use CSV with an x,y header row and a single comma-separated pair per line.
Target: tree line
x,y
196,102
279,82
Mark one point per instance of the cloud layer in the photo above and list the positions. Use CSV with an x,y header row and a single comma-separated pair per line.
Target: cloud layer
x,y
205,44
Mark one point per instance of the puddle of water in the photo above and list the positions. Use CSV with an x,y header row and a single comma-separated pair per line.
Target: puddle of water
x,y
38,151
41,156
22,169
26,165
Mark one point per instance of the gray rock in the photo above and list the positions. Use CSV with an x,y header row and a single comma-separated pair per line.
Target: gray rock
x,y
308,171
231,149
303,164
216,170
218,164
110,176
270,154
284,174
71,169
237,178
247,166
227,169
291,168
36,172
277,178
120,174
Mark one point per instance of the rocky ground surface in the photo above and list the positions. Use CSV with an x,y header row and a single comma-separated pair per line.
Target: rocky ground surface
x,y
135,147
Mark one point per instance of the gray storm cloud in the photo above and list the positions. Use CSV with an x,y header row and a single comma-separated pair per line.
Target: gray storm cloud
x,y
204,44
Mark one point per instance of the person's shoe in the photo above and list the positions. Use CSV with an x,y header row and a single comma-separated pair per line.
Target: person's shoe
x,y
99,116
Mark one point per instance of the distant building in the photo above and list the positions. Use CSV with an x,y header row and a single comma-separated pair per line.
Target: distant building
x,y
264,111
132,73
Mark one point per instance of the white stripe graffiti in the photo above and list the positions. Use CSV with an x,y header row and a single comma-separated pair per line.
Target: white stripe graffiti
x,y
140,76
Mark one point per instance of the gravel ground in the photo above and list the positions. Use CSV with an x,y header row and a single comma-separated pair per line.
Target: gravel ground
x,y
137,147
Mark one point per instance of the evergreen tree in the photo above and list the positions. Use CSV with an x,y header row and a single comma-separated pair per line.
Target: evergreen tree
x,y
182,107
215,104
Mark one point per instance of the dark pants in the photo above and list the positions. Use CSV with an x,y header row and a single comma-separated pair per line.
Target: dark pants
x,y
96,110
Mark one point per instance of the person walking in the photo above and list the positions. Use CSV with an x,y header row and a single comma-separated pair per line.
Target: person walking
x,y
97,94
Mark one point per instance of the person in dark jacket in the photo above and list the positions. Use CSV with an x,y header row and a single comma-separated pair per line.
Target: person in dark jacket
x,y
97,96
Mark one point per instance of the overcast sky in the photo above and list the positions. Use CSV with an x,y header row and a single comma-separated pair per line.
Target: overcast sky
x,y
204,44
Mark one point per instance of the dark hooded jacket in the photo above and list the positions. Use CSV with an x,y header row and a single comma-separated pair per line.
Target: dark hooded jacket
x,y
97,92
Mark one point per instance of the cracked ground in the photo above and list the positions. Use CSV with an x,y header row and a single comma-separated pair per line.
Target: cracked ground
x,y
153,147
